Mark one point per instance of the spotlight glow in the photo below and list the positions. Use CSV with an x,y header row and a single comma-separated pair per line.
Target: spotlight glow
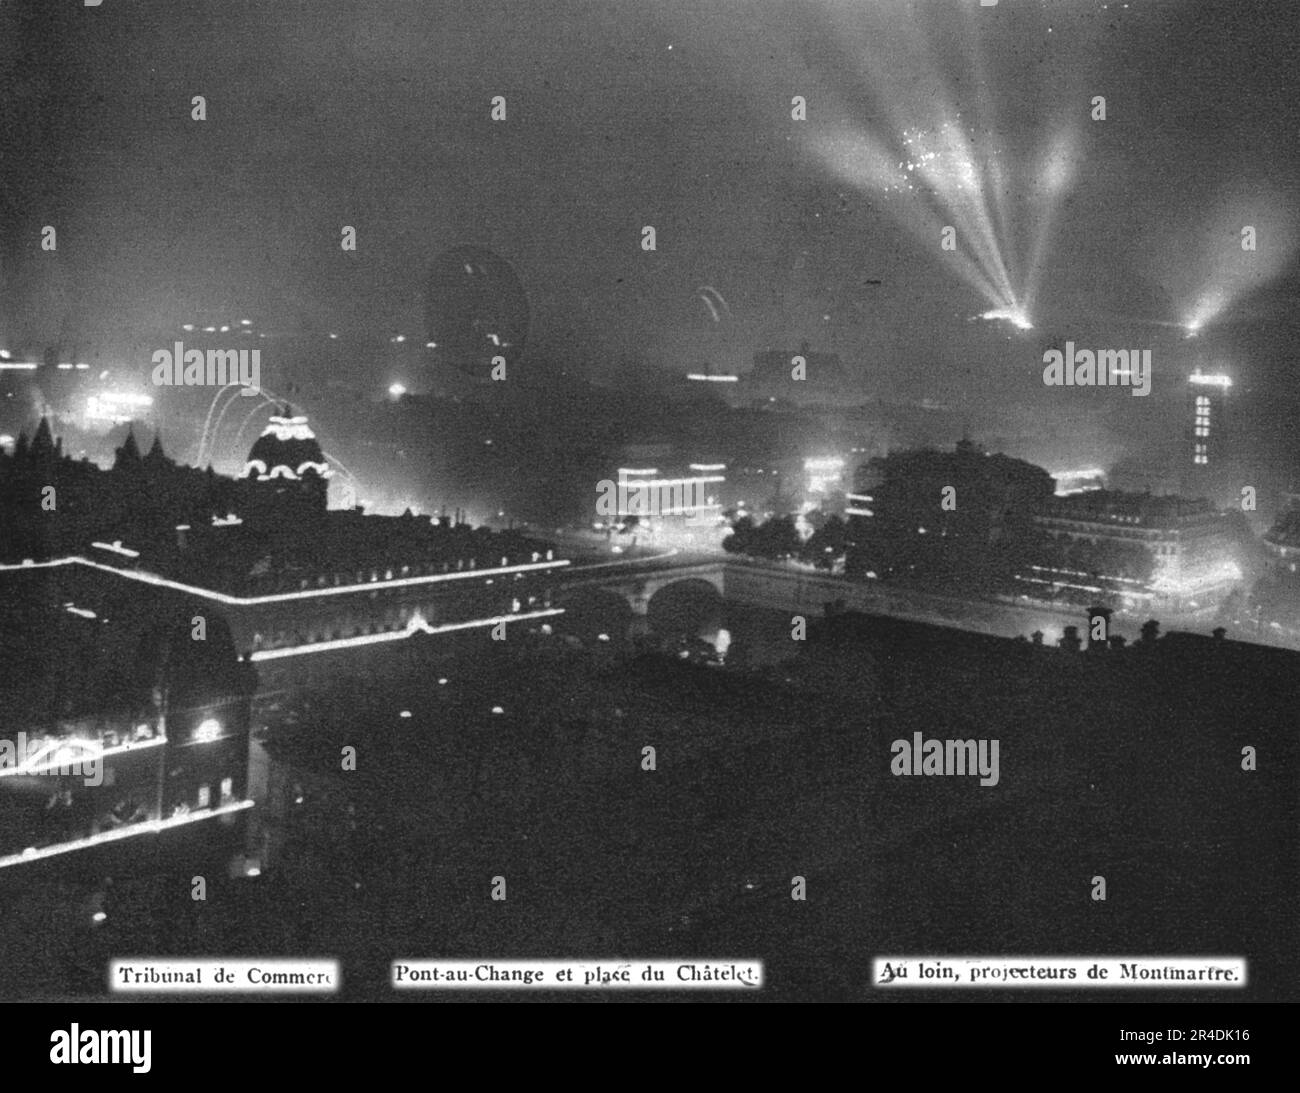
x,y
1015,317
924,137
1226,264
1212,303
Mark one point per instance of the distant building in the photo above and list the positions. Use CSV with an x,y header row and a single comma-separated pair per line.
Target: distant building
x,y
1273,606
477,313
52,505
823,479
943,515
759,487
1079,481
798,377
1282,541
1190,545
656,494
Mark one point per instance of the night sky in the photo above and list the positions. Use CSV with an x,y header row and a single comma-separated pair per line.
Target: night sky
x,y
672,114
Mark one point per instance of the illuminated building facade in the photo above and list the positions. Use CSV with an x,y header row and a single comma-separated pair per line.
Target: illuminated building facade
x,y
115,724
1206,470
665,502
300,588
1079,481
1190,544
667,490
678,494
303,587
823,479
356,590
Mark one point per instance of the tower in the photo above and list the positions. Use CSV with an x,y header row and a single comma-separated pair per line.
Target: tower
x,y
1207,451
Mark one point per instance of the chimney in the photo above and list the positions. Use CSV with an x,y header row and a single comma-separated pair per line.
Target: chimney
x,y
1099,628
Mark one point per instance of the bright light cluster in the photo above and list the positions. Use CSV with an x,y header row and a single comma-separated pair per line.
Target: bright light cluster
x,y
117,407
983,208
1016,318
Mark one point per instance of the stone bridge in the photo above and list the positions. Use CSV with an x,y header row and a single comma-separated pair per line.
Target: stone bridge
x,y
639,586
617,597
634,587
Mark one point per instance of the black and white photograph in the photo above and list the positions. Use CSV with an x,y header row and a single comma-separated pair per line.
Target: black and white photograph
x,y
685,501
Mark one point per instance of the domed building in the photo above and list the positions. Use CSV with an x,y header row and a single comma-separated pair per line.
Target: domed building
x,y
287,474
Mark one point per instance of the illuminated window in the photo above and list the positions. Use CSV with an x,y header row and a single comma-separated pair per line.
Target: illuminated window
x,y
205,796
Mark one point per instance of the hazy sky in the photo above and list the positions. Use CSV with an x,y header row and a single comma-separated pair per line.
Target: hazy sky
x,y
375,113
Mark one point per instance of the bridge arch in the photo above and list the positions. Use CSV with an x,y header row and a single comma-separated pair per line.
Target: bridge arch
x,y
686,607
590,611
